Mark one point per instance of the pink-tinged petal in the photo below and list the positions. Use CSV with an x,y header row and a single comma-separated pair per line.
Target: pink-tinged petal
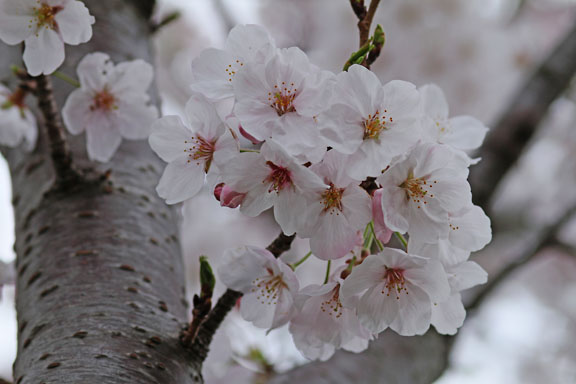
x,y
433,102
181,180
92,71
395,210
75,23
225,149
376,310
471,230
44,52
465,133
289,208
204,118
76,112
449,315
414,312
357,207
256,202
466,275
364,276
259,313
209,74
169,137
135,119
431,278
383,233
284,310
245,171
132,77
334,238
102,139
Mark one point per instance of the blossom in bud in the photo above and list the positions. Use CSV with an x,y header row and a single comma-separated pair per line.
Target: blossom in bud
x,y
370,122
280,98
337,212
267,283
228,197
420,190
110,104
323,324
396,290
44,26
17,123
383,233
191,150
214,70
461,132
273,178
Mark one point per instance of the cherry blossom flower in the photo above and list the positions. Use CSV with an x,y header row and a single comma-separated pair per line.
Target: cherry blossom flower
x,y
461,132
383,233
371,122
323,324
267,283
227,196
191,150
273,178
44,26
396,290
17,123
422,189
110,104
214,70
280,98
338,211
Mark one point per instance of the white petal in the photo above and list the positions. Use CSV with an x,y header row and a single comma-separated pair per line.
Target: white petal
x,y
135,119
93,71
449,315
44,52
285,309
252,309
434,102
465,133
376,310
203,117
467,275
210,76
472,231
414,312
364,276
334,238
181,180
131,76
16,21
248,41
75,23
102,139
168,138
431,278
240,267
76,112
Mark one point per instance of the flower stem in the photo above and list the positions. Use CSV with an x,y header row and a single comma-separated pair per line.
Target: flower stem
x,y
368,237
66,78
302,260
402,240
378,242
242,150
327,271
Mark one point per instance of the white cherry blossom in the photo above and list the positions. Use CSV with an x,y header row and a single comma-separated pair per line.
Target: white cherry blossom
x,y
273,178
110,104
191,150
268,285
422,189
17,123
396,290
337,212
44,26
460,132
280,98
371,122
214,70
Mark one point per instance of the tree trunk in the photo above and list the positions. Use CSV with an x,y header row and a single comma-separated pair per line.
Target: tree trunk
x,y
100,285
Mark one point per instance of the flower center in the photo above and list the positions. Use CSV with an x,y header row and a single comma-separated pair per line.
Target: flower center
x,y
44,16
375,124
200,151
333,306
15,99
231,69
282,98
332,199
395,282
417,189
104,101
268,288
278,178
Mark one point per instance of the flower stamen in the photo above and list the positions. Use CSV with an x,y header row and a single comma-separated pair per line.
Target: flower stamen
x,y
282,98
332,199
278,178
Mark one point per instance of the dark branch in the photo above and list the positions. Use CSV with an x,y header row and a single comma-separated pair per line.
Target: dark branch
x,y
509,137
366,22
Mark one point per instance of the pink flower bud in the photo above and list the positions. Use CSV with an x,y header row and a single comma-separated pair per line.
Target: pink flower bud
x,y
383,233
227,197
248,136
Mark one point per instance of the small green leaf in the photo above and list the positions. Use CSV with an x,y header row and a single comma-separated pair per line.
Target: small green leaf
x,y
207,279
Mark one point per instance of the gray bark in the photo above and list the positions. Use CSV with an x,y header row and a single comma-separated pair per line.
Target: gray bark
x,y
100,285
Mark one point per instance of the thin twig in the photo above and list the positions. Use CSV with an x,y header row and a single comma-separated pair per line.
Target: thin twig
x,y
546,238
66,174
366,22
226,302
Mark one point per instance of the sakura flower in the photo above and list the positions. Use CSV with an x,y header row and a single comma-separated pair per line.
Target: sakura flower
x,y
214,71
267,283
191,150
17,123
338,211
396,290
280,98
371,122
324,325
273,178
421,190
110,104
461,132
44,26
383,233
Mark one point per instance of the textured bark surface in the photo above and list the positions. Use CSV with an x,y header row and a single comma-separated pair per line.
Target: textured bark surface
x,y
100,286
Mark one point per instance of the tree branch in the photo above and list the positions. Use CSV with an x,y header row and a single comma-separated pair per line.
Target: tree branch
x,y
516,127
366,22
546,238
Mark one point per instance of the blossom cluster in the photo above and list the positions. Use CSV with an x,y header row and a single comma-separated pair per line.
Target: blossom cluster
x,y
344,161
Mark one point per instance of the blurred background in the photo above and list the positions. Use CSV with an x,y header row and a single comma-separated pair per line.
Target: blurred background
x,y
480,52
